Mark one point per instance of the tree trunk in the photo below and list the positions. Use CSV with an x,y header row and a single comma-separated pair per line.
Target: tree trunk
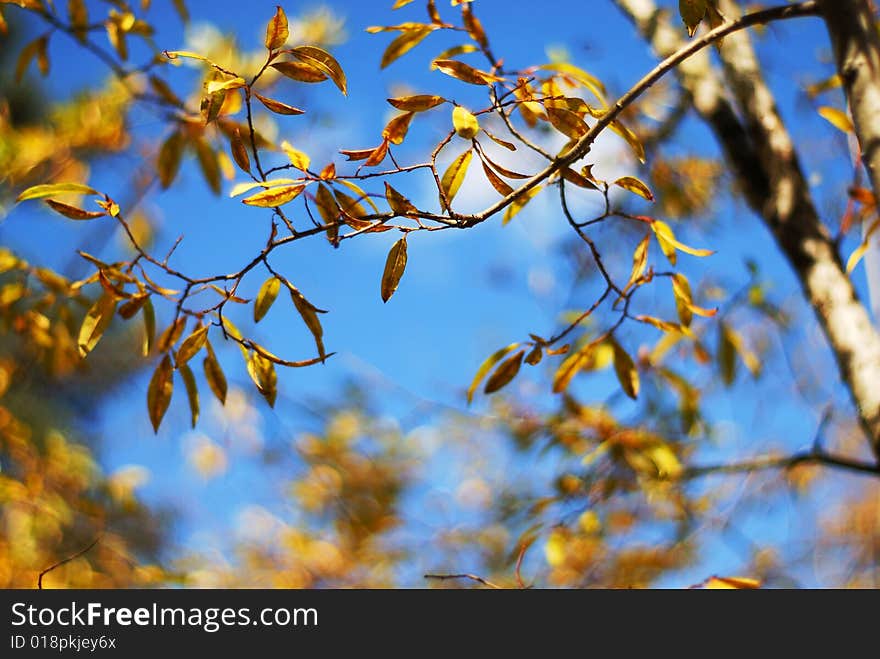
x,y
761,152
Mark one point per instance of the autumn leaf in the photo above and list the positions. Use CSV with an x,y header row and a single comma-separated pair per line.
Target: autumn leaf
x,y
266,297
837,118
486,366
454,175
170,155
417,103
214,375
505,373
159,392
406,41
395,264
519,203
277,106
95,323
397,128
399,204
636,186
464,72
465,123
277,30
274,197
692,13
192,392
72,212
299,71
626,371
51,189
191,345
324,62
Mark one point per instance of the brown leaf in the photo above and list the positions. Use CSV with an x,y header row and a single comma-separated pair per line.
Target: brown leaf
x,y
417,103
73,212
214,375
170,155
465,73
395,264
191,345
299,71
159,392
239,152
277,106
398,203
397,128
192,392
277,30
505,372
324,62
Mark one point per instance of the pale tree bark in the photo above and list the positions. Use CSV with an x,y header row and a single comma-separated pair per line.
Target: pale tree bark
x,y
761,153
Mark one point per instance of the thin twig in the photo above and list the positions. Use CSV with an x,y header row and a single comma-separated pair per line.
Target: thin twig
x,y
472,577
66,560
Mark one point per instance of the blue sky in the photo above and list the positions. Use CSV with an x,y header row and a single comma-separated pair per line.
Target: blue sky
x,y
464,293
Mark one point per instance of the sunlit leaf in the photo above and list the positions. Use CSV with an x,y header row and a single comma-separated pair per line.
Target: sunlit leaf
x,y
309,313
274,196
626,371
464,72
417,103
398,203
473,25
631,138
519,203
298,159
395,264
214,375
567,122
640,260
299,71
72,212
323,61
406,41
171,334
731,583
159,392
51,189
465,123
95,323
191,345
277,106
454,175
266,297
860,251
277,30
634,185
668,242
487,366
192,392
170,155
262,372
397,128
837,118
503,143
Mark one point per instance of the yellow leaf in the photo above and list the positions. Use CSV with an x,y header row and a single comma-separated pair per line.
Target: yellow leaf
x,y
192,392
95,323
135,304
171,334
505,372
859,252
398,203
503,143
397,128
274,197
266,296
668,242
837,118
465,73
220,85
726,355
73,212
299,71
465,123
262,372
298,159
214,375
406,41
395,264
240,188
731,583
631,138
589,81
378,155
170,155
191,345
277,106
324,62
51,189
417,103
634,185
454,175
681,289
500,186
474,26
159,392
486,366
309,313
149,327
640,260
277,30
626,371
567,122
519,202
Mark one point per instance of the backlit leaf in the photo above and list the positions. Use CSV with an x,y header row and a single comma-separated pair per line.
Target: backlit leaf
x,y
191,345
626,371
298,159
402,44
160,391
500,186
640,260
837,118
398,203
277,30
487,366
417,103
192,392
395,264
95,323
277,106
397,128
299,71
323,61
51,189
505,372
378,155
631,138
464,72
465,123
73,212
454,175
274,196
504,143
860,251
214,375
262,372
634,185
519,203
567,122
266,297
731,583
172,333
